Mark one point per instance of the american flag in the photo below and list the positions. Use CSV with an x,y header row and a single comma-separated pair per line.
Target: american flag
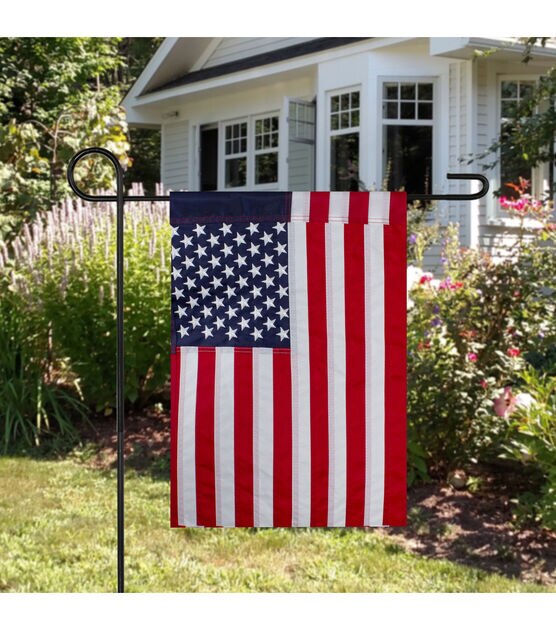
x,y
288,359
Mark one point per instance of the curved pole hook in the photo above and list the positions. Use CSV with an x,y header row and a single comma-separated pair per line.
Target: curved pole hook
x,y
115,163
457,197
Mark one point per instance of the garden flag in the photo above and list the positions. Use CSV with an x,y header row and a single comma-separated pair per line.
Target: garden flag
x,y
288,361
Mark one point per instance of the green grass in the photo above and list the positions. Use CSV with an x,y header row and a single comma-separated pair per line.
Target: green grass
x,y
57,533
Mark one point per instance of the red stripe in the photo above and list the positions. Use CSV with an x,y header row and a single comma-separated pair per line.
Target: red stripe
x,y
318,373
320,203
282,396
204,438
359,207
243,436
395,277
354,261
174,405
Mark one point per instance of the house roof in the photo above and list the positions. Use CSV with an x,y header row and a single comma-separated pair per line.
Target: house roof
x,y
261,59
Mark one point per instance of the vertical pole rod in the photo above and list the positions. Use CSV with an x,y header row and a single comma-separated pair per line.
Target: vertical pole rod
x,y
120,370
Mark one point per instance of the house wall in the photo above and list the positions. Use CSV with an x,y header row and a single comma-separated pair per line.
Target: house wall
x,y
234,48
174,155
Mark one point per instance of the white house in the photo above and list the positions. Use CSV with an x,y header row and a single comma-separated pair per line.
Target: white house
x,y
305,113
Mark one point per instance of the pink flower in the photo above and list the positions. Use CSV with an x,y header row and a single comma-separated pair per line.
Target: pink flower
x,y
504,405
471,356
513,352
426,277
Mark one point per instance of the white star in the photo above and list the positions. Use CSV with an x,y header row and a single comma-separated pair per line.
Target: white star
x,y
216,282
283,334
180,311
269,323
279,227
226,229
188,262
256,312
283,312
282,269
255,291
282,292
176,273
193,301
244,323
187,240
218,302
229,291
239,239
226,250
253,227
268,259
228,271
269,302
207,311
280,249
202,272
201,251
214,261
175,252
231,333
195,321
213,240
257,334
207,332
243,302
204,292
267,238
175,230
199,229
268,281
183,331
242,282
219,323
190,283
253,249
178,293
254,271
240,261
231,312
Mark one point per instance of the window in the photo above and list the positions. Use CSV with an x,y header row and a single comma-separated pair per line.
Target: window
x,y
407,125
344,141
250,152
512,167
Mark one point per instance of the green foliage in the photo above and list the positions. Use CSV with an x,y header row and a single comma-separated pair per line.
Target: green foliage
x,y
531,440
63,266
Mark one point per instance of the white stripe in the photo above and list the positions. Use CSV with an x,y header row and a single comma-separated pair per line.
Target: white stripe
x,y
187,496
301,410
263,437
335,315
379,207
339,206
224,437
374,373
301,204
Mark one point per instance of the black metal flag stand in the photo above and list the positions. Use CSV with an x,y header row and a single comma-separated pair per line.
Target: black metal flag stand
x,y
120,199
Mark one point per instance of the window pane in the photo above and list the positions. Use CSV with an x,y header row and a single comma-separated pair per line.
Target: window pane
x,y
266,168
344,162
344,101
390,110
425,91
344,120
274,139
334,121
258,142
525,90
355,118
228,147
509,89
425,111
274,121
334,103
243,145
243,129
408,91
235,174
355,100
390,91
512,166
507,109
407,110
408,158
228,132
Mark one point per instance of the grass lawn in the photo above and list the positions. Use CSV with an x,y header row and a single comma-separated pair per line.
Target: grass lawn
x,y
57,533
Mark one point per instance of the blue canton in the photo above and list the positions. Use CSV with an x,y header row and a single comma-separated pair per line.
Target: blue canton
x,y
230,284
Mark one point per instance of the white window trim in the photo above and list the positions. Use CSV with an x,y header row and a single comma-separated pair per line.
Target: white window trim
x,y
539,174
250,153
330,133
434,122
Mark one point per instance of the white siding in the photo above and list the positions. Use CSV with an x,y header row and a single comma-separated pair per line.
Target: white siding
x,y
234,48
175,155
